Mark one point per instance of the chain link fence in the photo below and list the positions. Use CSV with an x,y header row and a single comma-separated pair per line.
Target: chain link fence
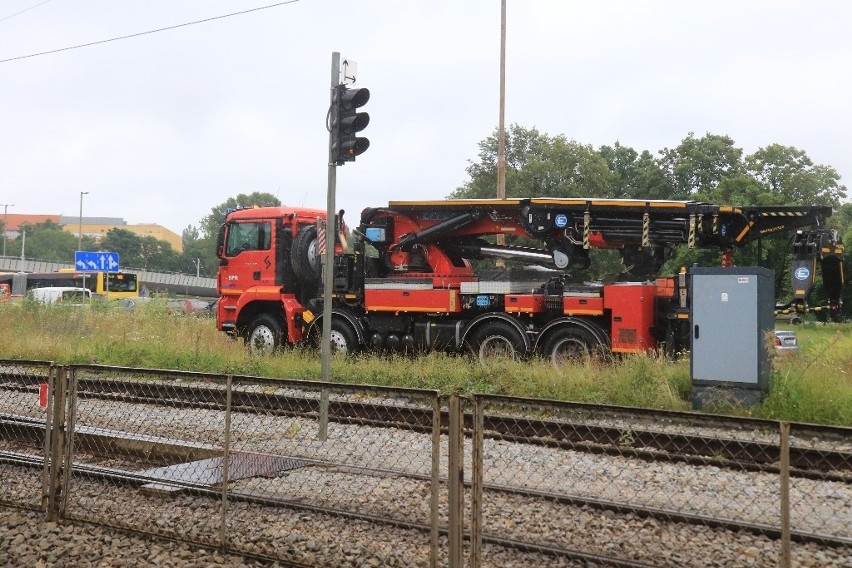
x,y
557,476
327,474
25,416
819,484
297,471
356,470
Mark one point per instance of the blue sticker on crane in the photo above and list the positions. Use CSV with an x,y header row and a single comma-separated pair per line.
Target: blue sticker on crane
x,y
561,220
802,273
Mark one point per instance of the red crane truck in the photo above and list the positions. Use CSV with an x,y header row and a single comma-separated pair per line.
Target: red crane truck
x,y
405,278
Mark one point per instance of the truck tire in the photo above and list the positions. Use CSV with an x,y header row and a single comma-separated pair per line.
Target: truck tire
x,y
571,344
496,339
344,340
263,335
305,256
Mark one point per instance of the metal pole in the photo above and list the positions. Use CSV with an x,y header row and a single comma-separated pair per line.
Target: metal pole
x,y
784,466
328,276
322,435
455,483
80,226
49,442
477,456
226,462
501,129
434,502
57,447
68,444
6,223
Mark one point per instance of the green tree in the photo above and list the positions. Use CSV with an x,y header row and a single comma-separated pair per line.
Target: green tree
x,y
146,253
209,226
636,176
700,164
739,189
190,235
46,241
199,253
537,165
128,245
791,175
158,255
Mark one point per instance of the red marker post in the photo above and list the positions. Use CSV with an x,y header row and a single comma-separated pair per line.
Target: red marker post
x,y
42,395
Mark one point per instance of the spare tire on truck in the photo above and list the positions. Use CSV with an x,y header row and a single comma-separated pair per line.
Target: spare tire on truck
x,y
305,255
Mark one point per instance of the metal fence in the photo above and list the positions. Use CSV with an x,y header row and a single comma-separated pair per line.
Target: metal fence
x,y
683,479
328,474
25,416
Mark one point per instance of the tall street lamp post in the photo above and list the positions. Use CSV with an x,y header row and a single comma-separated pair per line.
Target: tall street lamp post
x,y
6,223
80,228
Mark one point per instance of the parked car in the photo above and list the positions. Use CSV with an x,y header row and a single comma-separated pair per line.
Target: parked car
x,y
191,307
786,341
794,318
131,304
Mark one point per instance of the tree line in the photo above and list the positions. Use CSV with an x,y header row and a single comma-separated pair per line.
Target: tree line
x,y
710,168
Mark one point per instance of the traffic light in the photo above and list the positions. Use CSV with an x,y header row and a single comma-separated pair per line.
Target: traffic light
x,y
346,122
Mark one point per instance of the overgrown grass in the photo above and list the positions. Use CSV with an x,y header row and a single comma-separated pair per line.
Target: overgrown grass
x,y
816,384
813,386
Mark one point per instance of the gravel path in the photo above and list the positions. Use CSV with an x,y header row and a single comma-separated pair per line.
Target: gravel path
x,y
27,540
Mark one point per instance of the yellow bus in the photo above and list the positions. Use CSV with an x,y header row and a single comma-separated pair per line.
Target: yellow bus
x,y
112,285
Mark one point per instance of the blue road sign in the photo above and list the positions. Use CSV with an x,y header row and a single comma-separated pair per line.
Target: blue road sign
x,y
96,261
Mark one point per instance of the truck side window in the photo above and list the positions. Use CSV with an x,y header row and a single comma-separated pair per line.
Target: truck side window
x,y
248,236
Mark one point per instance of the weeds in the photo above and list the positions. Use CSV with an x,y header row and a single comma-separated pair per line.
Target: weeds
x,y
813,386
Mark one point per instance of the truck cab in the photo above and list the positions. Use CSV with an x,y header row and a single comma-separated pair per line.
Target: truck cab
x,y
268,266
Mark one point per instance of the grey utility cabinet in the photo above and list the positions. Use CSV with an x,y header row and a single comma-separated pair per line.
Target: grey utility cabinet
x,y
731,322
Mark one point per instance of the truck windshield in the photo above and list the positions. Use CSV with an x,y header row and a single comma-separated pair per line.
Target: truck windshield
x,y
244,236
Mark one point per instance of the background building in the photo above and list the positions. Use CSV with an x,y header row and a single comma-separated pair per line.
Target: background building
x,y
95,227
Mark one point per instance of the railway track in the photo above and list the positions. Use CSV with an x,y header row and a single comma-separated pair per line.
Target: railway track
x,y
641,437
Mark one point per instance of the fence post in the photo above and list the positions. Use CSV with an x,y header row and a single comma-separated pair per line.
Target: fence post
x,y
436,481
57,444
477,457
784,467
70,426
226,461
455,482
322,435
46,487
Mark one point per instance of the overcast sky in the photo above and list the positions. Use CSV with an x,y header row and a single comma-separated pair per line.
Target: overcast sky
x,y
162,127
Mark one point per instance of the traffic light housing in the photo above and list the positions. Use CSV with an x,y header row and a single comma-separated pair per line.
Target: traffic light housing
x,y
346,122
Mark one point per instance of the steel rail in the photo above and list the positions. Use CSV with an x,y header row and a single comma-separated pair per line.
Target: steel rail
x,y
650,445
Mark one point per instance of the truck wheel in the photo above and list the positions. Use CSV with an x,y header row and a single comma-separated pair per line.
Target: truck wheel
x,y
305,255
571,345
344,340
263,335
494,340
